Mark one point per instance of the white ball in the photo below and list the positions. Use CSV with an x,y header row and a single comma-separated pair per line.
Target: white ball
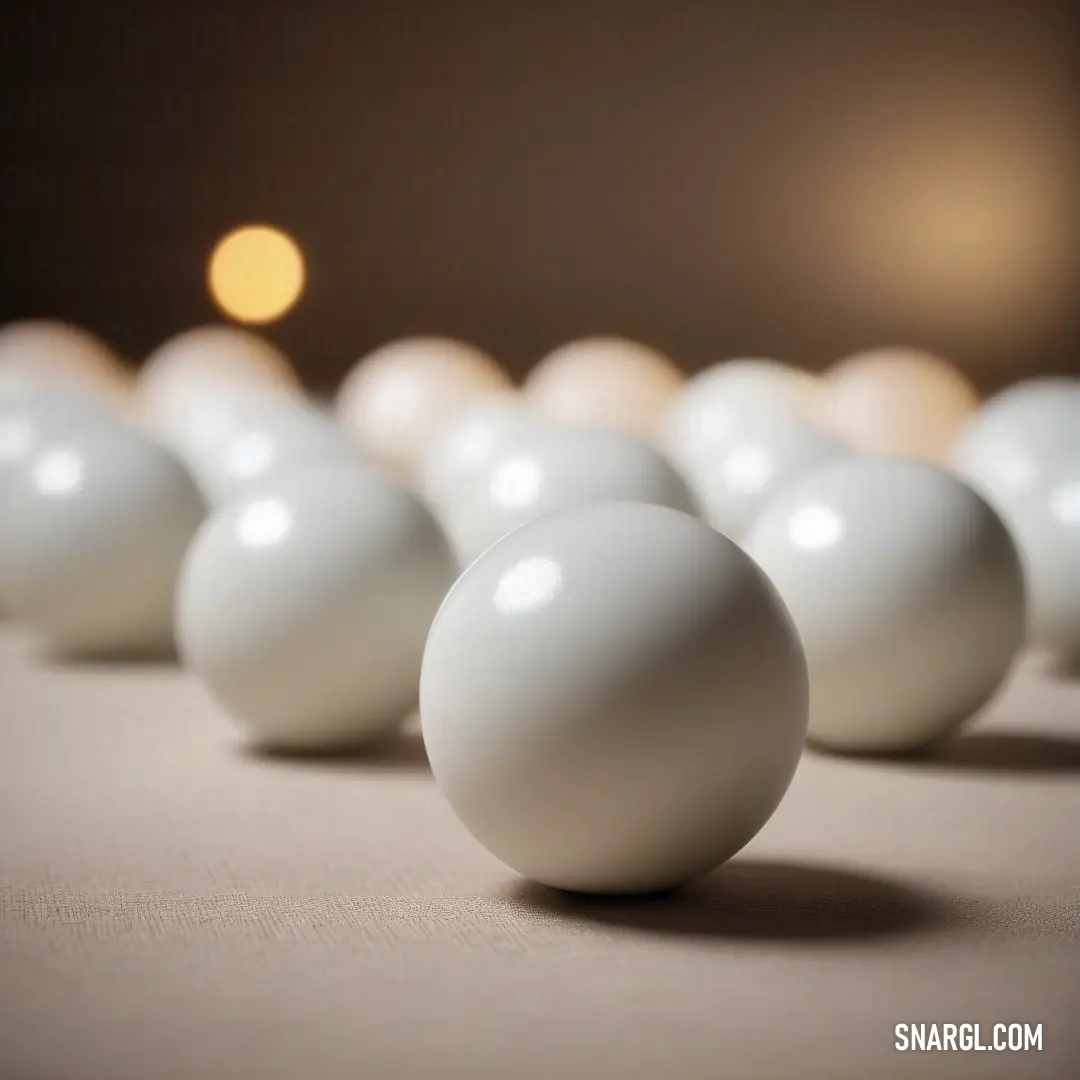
x,y
94,532
305,609
233,442
1016,434
399,399
205,362
555,469
899,402
605,382
708,411
469,445
765,452
907,591
40,354
1022,452
32,419
613,699
1046,526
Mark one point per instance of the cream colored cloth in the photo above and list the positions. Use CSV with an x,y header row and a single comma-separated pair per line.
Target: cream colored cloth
x,y
174,907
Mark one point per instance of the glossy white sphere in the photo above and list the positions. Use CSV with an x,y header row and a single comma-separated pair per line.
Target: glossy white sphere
x,y
605,382
555,469
1022,452
907,592
94,532
469,445
898,401
305,609
42,354
708,411
1016,434
613,699
32,419
399,399
1046,526
764,453
234,441
205,362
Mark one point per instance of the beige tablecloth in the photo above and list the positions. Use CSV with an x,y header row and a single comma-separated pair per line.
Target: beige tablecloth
x,y
172,906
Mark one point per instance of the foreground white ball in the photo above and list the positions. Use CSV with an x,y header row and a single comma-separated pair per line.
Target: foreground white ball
x,y
1022,452
899,402
613,699
554,469
469,445
305,609
605,382
234,441
764,453
707,413
907,592
205,362
42,354
94,533
399,399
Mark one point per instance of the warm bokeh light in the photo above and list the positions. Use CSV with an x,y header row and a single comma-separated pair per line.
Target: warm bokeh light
x,y
256,274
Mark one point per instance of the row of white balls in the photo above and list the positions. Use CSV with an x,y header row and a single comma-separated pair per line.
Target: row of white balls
x,y
614,697
734,430
396,400
736,453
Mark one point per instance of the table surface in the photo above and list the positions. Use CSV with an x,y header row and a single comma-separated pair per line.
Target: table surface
x,y
173,905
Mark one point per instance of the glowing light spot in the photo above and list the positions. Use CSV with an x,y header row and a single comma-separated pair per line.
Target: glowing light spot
x,y
59,472
528,586
748,469
815,527
1065,503
250,455
264,523
256,274
517,483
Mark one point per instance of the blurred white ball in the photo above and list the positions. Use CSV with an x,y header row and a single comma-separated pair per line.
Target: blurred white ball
x,y
907,592
763,454
604,382
94,532
30,420
1046,526
553,469
898,401
399,399
469,445
205,362
707,412
613,699
1016,434
42,354
1022,452
305,609
234,441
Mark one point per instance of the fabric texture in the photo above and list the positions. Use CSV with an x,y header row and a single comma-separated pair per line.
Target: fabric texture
x,y
176,906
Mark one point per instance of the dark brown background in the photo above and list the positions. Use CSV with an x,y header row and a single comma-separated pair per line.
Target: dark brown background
x,y
784,178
